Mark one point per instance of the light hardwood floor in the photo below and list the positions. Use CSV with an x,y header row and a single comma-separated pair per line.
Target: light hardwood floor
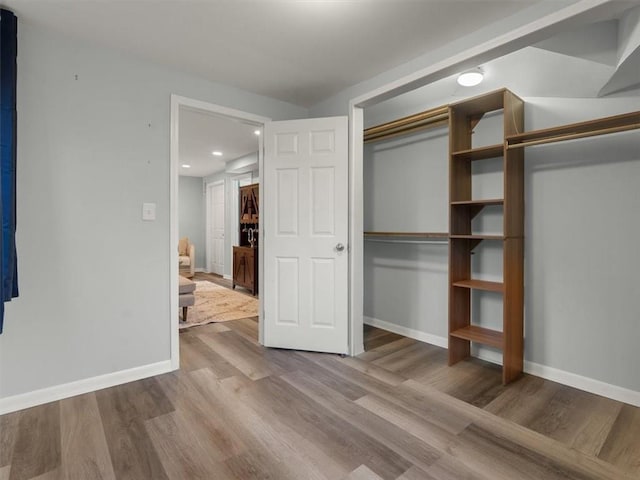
x,y
239,411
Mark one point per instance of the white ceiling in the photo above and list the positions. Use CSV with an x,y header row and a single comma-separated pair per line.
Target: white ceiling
x,y
200,133
573,64
299,51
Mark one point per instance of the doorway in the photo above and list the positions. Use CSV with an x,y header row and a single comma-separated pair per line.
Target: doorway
x,y
220,197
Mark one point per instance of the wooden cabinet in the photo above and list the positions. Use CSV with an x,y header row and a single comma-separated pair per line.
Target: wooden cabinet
x,y
463,208
245,255
245,268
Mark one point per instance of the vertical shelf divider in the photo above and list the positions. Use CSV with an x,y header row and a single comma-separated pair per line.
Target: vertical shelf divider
x,y
463,117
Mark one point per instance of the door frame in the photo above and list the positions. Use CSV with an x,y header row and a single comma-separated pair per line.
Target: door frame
x,y
177,102
208,220
509,42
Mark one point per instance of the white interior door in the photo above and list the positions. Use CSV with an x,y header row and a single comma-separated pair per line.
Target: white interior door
x,y
304,216
215,233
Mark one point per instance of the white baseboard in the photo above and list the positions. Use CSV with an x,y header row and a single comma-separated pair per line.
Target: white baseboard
x,y
59,392
580,382
200,270
227,277
407,332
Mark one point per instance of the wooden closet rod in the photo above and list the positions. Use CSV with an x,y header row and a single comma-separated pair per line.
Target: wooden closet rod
x,y
590,128
420,121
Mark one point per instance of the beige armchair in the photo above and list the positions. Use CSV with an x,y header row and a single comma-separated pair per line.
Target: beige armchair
x,y
186,257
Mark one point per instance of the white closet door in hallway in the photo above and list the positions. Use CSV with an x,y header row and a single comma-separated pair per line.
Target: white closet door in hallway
x,y
215,228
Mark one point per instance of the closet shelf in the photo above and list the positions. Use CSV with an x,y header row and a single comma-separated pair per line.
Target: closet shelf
x,y
480,285
482,203
601,126
477,334
408,234
478,237
485,103
480,153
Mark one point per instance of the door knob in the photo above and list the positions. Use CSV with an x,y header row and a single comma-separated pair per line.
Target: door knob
x,y
339,247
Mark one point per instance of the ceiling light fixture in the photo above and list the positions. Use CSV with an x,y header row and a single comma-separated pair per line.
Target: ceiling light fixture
x,y
470,78
257,132
186,165
216,153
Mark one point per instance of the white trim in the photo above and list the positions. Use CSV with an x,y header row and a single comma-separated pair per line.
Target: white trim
x,y
583,383
178,101
227,277
570,379
201,270
66,390
407,332
356,238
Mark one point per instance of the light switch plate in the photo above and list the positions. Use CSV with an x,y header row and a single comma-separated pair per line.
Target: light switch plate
x,y
148,211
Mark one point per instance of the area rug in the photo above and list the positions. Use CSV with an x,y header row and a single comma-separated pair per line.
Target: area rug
x,y
218,304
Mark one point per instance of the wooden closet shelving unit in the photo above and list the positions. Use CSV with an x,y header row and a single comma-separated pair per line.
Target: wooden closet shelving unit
x,y
463,208
461,118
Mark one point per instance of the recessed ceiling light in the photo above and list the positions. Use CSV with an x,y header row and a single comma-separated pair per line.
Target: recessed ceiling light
x,y
216,153
186,165
470,78
257,132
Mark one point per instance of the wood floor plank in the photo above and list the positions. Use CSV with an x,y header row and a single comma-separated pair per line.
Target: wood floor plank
x,y
522,401
301,362
373,354
123,410
183,452
413,449
4,472
362,473
415,473
247,327
405,358
8,434
622,447
450,468
586,465
37,446
374,371
477,449
196,417
474,381
281,450
245,356
421,428
388,337
407,398
197,354
342,441
563,419
85,453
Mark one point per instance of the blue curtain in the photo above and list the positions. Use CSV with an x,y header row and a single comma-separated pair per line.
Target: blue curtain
x,y
8,79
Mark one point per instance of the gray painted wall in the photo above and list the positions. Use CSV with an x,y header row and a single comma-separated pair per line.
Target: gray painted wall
x,y
191,219
582,204
94,278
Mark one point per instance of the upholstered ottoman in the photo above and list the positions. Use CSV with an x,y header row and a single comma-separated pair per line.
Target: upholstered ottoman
x,y
186,296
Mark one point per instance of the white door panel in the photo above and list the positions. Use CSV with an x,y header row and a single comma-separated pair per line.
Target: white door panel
x,y
215,233
305,216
